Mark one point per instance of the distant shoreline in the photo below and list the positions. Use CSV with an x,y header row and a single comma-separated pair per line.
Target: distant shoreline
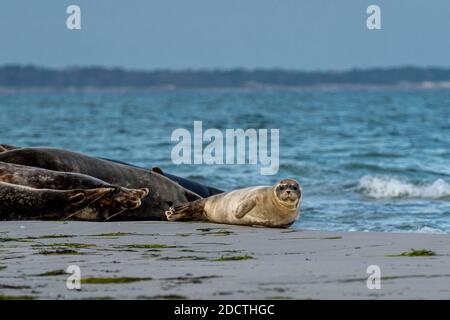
x,y
425,86
18,78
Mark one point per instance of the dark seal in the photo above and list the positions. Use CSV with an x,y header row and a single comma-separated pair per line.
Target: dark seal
x,y
164,192
116,202
25,203
198,188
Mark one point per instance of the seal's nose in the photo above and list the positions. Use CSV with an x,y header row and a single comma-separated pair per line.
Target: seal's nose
x,y
288,191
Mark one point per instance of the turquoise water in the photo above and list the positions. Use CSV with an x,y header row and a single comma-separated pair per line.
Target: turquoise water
x,y
367,160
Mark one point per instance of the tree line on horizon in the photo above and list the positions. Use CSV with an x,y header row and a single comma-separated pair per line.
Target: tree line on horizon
x,y
18,76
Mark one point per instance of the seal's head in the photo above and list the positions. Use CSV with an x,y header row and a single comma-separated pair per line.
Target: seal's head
x,y
288,192
123,199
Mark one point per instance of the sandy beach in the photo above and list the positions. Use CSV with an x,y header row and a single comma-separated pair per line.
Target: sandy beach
x,y
162,260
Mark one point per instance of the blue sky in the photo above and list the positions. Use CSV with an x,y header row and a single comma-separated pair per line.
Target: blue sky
x,y
180,34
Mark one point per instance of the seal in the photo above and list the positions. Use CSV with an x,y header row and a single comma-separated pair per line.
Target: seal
x,y
163,194
198,188
201,190
25,203
276,206
118,201
7,147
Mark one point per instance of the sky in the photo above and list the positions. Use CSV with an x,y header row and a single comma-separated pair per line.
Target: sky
x,y
207,34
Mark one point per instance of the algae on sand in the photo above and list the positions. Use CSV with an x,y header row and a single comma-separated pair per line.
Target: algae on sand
x,y
415,253
117,280
147,246
59,252
67,244
233,258
57,272
6,297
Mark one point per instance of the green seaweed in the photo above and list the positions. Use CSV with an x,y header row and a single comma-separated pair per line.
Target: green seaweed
x,y
67,244
29,239
219,232
59,252
415,253
10,286
148,246
52,236
14,239
123,234
190,279
277,298
193,258
7,297
233,258
114,280
408,276
58,272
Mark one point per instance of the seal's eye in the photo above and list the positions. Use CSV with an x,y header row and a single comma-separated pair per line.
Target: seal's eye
x,y
282,187
294,188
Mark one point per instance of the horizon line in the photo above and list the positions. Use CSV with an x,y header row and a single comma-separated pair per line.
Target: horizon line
x,y
221,69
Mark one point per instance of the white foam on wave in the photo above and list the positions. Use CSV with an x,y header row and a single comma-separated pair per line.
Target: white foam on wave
x,y
430,230
387,187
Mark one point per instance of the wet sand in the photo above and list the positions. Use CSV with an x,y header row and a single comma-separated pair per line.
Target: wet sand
x,y
150,260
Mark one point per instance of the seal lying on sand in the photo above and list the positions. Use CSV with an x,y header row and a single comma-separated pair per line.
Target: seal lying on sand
x,y
23,203
276,206
164,192
117,201
200,189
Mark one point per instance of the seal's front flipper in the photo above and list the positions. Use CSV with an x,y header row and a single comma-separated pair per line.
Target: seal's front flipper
x,y
186,211
244,208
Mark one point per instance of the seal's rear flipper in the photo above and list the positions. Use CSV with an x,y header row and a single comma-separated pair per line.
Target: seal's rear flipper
x,y
86,197
80,199
7,147
187,211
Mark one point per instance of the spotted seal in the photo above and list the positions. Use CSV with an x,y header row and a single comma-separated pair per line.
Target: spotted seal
x,y
269,206
24,203
118,201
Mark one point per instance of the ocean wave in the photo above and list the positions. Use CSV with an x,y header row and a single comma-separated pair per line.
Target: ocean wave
x,y
380,187
430,230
